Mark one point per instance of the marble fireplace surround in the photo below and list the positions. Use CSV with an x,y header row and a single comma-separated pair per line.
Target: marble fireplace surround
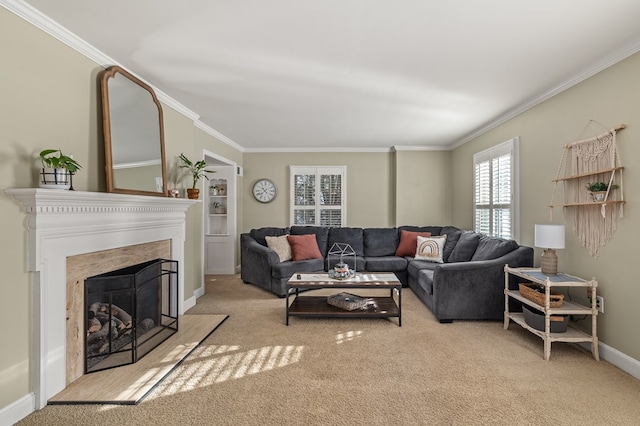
x,y
62,224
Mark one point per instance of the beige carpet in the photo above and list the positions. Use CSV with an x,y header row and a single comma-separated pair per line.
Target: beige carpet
x,y
254,370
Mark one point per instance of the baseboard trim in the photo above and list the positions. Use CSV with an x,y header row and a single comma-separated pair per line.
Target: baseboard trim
x,y
199,292
617,358
189,303
18,410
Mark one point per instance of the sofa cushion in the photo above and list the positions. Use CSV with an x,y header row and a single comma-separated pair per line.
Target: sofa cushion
x,y
465,248
352,236
385,264
409,242
493,248
425,280
259,234
280,245
380,241
430,248
435,230
285,270
304,247
321,233
453,235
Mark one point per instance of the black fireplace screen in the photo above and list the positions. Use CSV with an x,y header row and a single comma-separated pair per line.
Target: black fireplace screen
x,y
129,312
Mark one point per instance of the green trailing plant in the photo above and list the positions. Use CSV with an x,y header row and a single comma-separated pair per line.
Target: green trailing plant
x,y
197,169
600,186
55,159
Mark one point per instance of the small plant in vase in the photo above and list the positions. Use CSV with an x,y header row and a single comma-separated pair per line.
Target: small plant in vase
x,y
57,169
216,190
218,208
198,170
599,190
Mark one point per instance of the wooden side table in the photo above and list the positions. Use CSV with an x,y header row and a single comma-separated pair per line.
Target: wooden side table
x,y
568,308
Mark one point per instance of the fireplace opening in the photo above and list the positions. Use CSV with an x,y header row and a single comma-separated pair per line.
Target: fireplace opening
x,y
129,312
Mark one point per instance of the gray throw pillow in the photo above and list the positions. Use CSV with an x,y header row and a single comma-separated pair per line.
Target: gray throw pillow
x,y
493,248
465,248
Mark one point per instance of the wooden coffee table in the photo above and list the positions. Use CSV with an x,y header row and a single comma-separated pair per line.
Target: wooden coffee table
x,y
317,306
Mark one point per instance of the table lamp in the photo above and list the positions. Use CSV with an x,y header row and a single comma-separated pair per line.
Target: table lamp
x,y
549,237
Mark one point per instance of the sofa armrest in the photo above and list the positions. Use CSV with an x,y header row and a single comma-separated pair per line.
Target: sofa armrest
x,y
474,289
256,261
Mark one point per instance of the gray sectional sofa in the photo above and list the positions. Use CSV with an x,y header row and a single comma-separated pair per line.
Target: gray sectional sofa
x,y
468,285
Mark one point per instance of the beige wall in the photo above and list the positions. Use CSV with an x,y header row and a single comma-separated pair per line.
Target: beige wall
x,y
610,97
369,186
50,99
423,188
383,189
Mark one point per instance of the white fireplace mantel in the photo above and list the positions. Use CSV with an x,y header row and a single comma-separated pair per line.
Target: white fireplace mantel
x,y
68,223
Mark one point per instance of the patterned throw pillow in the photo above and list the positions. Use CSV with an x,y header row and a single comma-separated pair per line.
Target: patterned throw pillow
x,y
280,245
430,248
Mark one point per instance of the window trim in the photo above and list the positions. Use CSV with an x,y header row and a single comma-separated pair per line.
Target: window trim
x,y
512,147
318,170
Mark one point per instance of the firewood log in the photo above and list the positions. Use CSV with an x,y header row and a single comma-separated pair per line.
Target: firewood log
x,y
98,335
94,325
94,309
122,315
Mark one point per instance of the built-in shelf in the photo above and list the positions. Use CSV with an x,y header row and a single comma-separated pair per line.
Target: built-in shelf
x,y
220,227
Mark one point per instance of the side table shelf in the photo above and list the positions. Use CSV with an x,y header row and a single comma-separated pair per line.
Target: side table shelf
x,y
567,308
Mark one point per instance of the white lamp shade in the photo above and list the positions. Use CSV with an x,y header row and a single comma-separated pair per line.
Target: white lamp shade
x,y
549,236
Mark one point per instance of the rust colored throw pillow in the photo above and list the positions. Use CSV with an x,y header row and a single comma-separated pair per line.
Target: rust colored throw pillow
x,y
304,247
409,242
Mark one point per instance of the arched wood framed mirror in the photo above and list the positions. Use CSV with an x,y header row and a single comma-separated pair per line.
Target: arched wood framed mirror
x,y
133,135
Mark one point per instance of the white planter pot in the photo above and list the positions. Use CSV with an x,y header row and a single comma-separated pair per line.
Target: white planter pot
x,y
55,178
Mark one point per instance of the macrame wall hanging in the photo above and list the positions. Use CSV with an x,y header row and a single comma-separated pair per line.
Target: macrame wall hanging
x,y
594,218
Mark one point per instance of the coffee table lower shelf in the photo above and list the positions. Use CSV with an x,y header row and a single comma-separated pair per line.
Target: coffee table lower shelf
x,y
317,307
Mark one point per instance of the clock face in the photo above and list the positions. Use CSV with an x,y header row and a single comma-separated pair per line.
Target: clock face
x,y
264,191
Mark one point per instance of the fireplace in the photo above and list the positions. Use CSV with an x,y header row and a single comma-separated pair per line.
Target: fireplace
x,y
129,312
62,225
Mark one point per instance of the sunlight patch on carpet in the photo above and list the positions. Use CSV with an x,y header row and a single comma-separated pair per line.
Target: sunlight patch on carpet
x,y
347,336
218,364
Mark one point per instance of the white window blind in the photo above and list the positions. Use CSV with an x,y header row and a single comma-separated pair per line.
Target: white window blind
x,y
496,206
318,195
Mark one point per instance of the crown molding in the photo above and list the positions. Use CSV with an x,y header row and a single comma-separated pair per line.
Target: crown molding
x,y
315,149
409,148
46,24
57,31
216,134
609,60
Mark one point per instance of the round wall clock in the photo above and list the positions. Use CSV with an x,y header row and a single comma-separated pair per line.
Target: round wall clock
x,y
264,190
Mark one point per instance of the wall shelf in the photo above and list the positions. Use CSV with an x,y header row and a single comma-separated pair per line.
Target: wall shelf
x,y
584,163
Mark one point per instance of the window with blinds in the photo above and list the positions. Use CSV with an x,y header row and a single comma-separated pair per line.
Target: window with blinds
x,y
318,195
496,203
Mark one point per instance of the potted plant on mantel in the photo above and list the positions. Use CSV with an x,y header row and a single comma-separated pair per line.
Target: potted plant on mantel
x,y
198,170
599,190
57,169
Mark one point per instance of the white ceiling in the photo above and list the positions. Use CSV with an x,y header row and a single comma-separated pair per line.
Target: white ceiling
x,y
354,74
